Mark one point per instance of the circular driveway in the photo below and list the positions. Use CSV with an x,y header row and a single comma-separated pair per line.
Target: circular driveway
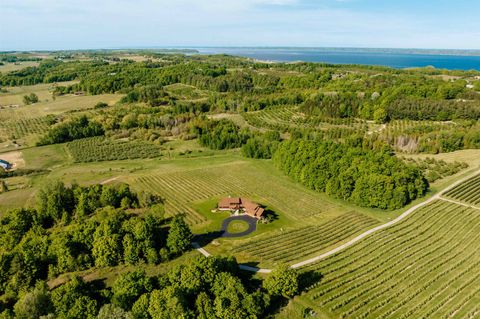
x,y
251,221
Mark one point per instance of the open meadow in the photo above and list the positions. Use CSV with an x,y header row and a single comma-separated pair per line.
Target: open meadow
x,y
9,67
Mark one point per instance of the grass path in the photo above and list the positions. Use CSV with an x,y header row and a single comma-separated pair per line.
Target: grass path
x,y
110,180
459,203
351,242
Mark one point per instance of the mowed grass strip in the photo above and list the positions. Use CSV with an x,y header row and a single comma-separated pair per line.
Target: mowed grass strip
x,y
425,267
299,243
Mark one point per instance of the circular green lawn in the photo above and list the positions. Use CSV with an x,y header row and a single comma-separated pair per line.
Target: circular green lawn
x,y
237,226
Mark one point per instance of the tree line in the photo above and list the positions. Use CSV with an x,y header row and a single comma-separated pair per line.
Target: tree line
x,y
70,130
205,288
365,177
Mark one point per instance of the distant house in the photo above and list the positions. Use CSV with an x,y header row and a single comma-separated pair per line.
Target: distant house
x,y
241,204
5,165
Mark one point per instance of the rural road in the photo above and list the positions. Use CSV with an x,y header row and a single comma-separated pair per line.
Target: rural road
x,y
361,236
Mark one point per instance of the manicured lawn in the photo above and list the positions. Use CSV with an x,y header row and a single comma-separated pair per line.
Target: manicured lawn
x,y
237,226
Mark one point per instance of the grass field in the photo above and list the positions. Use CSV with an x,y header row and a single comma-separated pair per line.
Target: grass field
x,y
13,109
237,226
427,266
14,95
21,125
185,92
9,67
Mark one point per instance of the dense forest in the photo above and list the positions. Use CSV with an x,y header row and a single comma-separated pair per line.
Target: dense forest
x,y
365,177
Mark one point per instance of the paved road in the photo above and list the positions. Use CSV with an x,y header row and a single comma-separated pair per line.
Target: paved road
x,y
363,235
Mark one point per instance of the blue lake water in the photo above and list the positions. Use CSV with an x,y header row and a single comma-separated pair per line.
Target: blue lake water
x,y
346,56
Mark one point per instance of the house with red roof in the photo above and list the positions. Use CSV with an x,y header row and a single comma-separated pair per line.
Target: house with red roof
x,y
241,204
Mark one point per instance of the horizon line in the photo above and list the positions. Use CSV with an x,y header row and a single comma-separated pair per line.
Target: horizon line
x,y
155,47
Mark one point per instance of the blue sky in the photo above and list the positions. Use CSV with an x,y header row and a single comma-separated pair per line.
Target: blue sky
x,y
81,24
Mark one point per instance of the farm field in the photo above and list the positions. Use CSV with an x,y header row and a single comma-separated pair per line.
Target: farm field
x,y
285,247
9,67
24,126
427,266
236,178
393,128
21,125
103,149
299,210
468,192
286,117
